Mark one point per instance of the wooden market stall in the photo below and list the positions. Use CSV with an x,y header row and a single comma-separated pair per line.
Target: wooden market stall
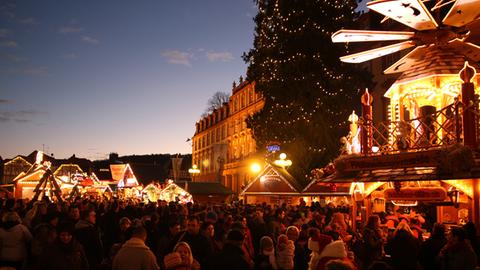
x,y
273,185
174,193
427,150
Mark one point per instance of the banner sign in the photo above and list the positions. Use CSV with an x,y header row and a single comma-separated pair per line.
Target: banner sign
x,y
416,194
118,171
403,160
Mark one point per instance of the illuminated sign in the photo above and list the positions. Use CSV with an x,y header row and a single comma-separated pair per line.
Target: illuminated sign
x,y
273,147
416,194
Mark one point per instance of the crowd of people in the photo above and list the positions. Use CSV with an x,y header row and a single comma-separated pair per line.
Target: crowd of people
x,y
129,234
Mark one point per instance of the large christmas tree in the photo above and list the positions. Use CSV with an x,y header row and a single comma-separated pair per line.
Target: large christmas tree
x,y
308,92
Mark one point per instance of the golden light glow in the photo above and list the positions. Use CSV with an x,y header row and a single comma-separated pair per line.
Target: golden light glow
x,y
194,169
283,161
466,186
372,187
255,167
357,187
39,158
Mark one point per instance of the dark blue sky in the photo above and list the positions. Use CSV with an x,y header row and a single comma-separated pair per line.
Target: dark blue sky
x,y
92,77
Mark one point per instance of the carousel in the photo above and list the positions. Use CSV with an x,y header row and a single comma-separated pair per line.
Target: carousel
x,y
425,155
38,182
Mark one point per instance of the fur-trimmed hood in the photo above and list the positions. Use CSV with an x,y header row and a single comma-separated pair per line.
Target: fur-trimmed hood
x,y
335,249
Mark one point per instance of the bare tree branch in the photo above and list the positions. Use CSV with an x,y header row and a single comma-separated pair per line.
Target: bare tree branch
x,y
216,101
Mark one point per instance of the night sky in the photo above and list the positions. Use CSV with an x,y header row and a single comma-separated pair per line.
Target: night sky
x,y
93,77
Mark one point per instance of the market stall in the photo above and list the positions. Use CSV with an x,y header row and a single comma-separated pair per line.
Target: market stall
x,y
273,185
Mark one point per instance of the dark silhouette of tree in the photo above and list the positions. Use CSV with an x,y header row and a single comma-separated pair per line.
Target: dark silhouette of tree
x,y
216,101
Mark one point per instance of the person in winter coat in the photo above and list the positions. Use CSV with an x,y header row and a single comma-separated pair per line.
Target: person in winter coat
x,y
65,253
232,257
265,260
14,241
316,243
201,248
88,235
471,231
431,248
285,252
186,254
300,260
457,253
134,254
373,240
403,249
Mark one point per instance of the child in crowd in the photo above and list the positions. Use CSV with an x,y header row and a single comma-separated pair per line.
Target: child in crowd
x,y
285,252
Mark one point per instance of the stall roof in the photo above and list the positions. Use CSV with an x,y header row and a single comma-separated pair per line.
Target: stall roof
x,y
273,180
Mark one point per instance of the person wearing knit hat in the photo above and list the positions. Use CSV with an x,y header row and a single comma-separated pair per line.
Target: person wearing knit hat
x,y
292,233
285,252
266,259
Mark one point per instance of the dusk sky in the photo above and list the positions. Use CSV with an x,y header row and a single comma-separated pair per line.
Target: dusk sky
x,y
93,77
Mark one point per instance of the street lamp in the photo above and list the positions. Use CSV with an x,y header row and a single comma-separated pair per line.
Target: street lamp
x,y
193,171
255,168
283,161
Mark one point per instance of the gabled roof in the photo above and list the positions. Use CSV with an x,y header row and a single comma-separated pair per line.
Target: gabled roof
x,y
154,186
68,165
85,164
34,175
19,157
273,180
123,173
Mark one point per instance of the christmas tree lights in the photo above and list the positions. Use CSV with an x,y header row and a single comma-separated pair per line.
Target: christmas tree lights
x,y
308,92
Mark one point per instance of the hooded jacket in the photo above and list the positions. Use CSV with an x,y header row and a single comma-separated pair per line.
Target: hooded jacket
x,y
134,254
14,238
285,254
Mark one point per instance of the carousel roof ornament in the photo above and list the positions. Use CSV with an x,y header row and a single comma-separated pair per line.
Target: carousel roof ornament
x,y
449,33
467,73
366,98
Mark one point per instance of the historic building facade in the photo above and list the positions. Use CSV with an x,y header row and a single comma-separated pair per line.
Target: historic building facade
x,y
222,144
